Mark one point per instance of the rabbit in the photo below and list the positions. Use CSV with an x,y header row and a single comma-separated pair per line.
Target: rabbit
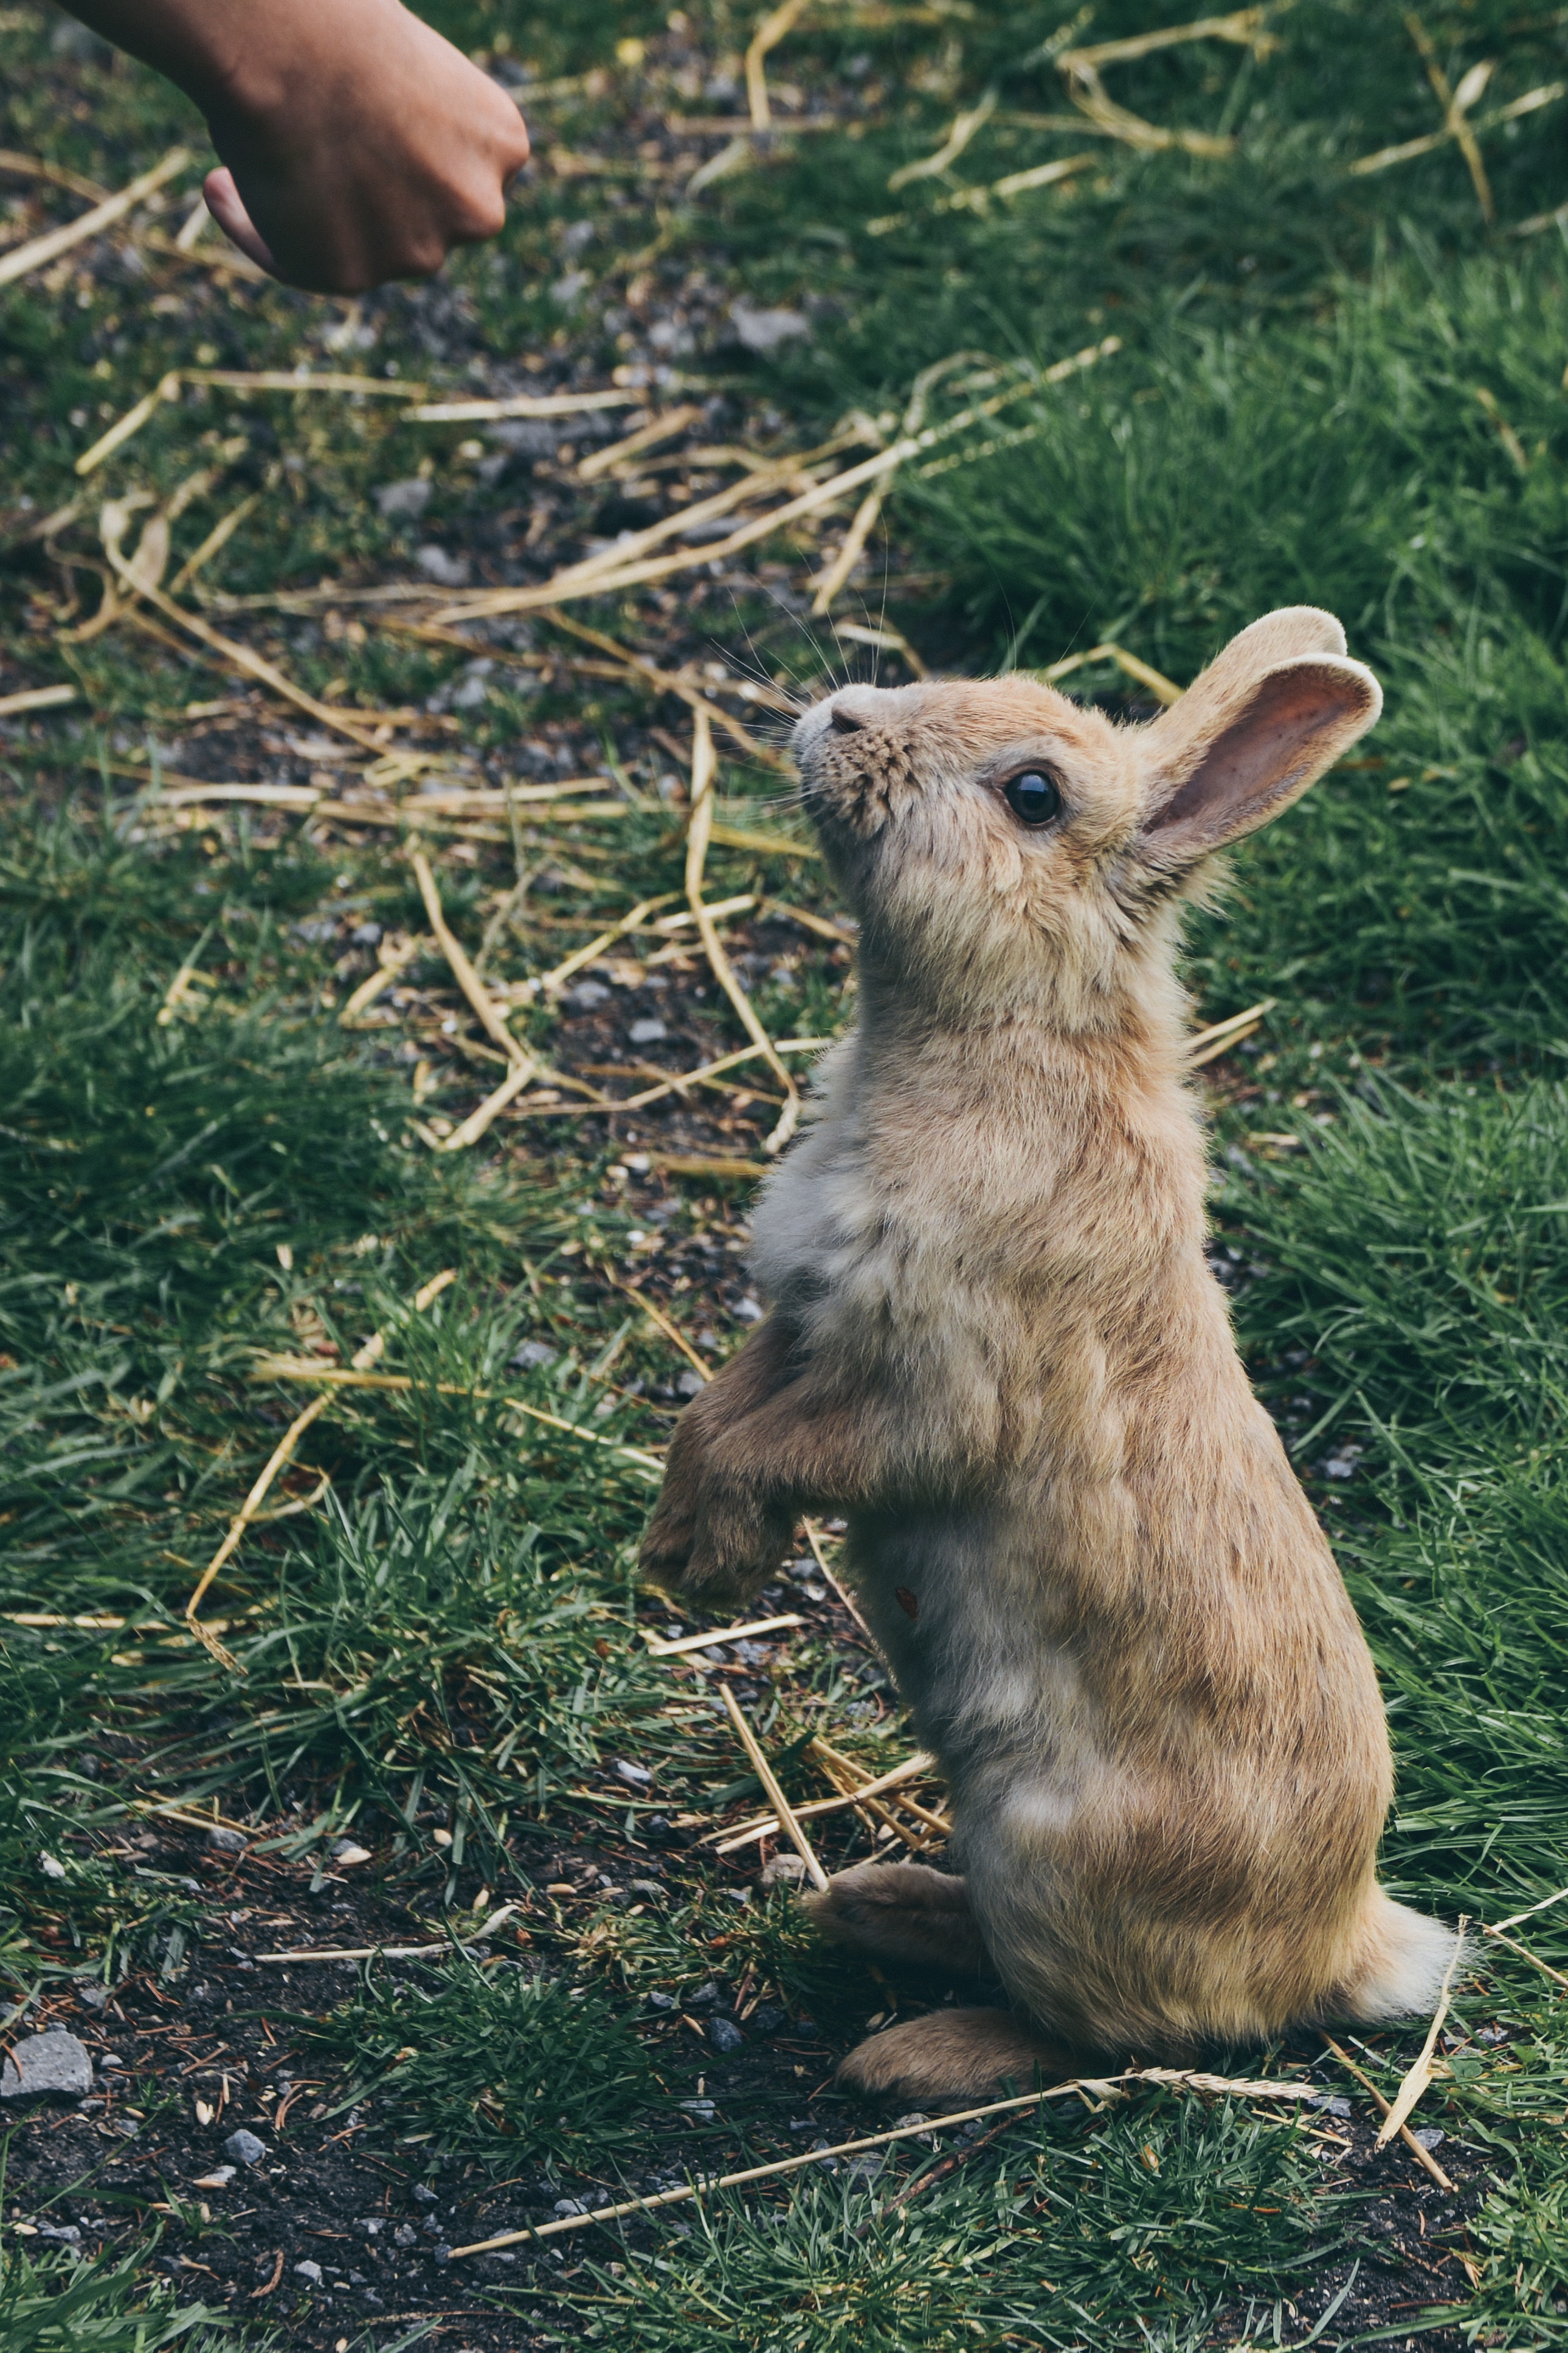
x,y
995,1345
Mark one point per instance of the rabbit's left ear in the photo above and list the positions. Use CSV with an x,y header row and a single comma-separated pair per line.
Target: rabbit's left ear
x,y
1236,759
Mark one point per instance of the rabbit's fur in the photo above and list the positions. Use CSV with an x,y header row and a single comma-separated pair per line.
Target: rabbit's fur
x,y
995,1345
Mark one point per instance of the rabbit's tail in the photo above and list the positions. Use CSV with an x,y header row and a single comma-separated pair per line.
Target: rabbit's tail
x,y
955,2054
1403,1961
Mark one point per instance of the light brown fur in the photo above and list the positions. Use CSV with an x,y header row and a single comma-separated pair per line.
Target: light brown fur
x,y
997,1346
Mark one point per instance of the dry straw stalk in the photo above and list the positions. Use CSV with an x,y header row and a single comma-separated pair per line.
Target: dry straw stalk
x,y
23,259
788,1821
1105,2087
364,1357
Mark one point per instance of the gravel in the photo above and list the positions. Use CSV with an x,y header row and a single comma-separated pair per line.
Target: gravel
x,y
55,2063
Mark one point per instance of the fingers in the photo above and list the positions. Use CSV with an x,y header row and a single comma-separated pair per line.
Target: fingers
x,y
223,203
371,150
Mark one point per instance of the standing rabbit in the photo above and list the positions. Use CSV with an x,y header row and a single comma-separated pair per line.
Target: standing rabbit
x,y
995,1345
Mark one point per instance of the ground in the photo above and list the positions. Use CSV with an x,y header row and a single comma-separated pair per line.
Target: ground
x,y
323,699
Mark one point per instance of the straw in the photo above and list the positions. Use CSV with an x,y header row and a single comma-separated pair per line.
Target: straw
x,y
719,1634
768,36
1171,2078
766,1775
1420,2072
1422,2157
698,834
36,698
373,1348
23,259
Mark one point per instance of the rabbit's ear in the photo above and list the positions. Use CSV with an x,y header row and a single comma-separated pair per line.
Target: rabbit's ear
x,y
1284,636
1249,749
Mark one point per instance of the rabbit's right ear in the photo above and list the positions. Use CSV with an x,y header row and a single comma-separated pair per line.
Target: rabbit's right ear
x,y
1253,733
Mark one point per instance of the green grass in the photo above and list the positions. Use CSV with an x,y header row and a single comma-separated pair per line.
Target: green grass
x,y
507,2068
58,2302
1033,2247
1340,389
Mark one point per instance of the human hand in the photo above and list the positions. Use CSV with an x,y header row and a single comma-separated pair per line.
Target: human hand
x,y
357,144
362,150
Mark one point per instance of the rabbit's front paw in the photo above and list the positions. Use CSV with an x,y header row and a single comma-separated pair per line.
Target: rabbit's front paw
x,y
666,1541
737,1545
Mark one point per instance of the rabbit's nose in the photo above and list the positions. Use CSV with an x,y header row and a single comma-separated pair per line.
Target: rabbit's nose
x,y
858,706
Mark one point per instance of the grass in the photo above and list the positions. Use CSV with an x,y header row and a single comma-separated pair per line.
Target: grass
x,y
1339,388
1198,2214
505,2069
57,2303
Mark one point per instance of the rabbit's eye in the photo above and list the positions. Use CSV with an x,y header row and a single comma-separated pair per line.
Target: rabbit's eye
x,y
1033,797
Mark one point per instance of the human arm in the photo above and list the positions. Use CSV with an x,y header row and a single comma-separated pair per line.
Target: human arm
x,y
357,144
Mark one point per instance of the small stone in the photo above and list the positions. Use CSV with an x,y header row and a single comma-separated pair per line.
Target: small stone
x,y
703,1997
403,2236
93,1996
218,2178
725,2037
662,2001
473,692
766,2019
647,1032
586,995
750,1311
422,2194
309,2270
701,2112
243,2148
358,2279
534,1355
224,1841
653,1888
1429,2137
564,2206
66,2231
784,1871
51,1867
1328,2105
55,2063
447,570
432,2226
441,2254
690,1384
637,1775
401,501
763,331
375,2302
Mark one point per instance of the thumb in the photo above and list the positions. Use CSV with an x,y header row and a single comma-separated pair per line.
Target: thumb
x,y
227,208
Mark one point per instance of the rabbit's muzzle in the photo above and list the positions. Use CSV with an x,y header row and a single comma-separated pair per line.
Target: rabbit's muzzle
x,y
855,767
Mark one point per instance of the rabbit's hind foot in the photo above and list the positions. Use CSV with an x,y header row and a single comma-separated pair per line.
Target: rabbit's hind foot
x,y
904,1914
953,2054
